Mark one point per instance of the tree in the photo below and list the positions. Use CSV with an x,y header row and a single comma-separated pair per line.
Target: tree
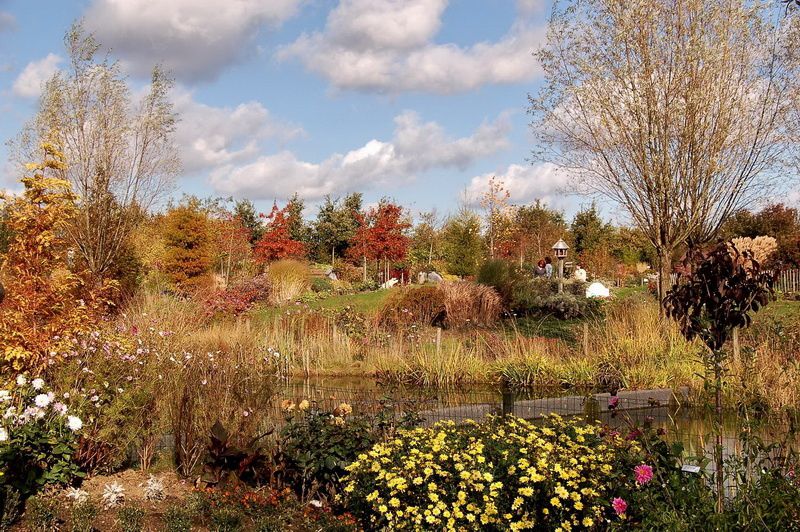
x,y
336,224
462,243
778,221
120,152
231,241
588,230
675,110
245,211
495,203
298,230
44,299
723,287
188,255
537,229
426,240
381,235
277,243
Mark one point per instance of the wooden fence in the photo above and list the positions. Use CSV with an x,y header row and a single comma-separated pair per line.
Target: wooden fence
x,y
787,281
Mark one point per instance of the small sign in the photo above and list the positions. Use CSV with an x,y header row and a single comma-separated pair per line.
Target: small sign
x,y
690,468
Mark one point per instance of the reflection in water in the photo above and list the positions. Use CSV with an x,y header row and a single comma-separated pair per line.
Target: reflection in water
x,y
692,426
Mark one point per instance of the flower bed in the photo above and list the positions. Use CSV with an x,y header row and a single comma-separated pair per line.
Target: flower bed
x,y
498,474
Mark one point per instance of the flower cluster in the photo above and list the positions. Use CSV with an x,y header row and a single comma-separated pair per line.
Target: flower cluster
x,y
507,474
38,436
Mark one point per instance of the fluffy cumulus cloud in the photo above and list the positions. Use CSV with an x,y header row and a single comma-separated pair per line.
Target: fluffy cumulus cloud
x,y
29,82
209,137
387,46
415,147
193,39
528,183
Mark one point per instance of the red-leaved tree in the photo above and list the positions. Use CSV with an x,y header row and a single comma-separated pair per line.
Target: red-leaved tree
x,y
276,243
381,235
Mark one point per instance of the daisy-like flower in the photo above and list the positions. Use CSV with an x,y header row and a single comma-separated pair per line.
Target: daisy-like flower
x,y
3,434
644,474
42,400
21,380
619,505
74,423
37,384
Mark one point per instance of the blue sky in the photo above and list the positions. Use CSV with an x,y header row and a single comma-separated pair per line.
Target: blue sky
x,y
419,100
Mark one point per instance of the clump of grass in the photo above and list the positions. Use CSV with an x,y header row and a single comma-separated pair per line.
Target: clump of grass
x,y
468,303
289,279
424,305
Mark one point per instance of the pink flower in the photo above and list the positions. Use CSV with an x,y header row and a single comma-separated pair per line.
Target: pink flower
x,y
644,474
619,505
613,401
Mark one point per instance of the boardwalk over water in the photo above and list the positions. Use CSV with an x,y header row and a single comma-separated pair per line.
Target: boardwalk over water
x,y
651,402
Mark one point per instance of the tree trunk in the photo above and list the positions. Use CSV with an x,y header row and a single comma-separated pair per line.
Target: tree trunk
x,y
664,271
719,465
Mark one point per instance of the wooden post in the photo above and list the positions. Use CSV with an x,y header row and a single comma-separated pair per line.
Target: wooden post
x,y
365,268
736,352
438,342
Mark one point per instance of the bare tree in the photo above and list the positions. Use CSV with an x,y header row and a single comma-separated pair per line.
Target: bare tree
x,y
676,110
119,150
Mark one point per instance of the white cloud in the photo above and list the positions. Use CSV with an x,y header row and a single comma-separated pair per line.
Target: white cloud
x,y
387,46
528,183
7,21
415,148
29,82
193,39
209,137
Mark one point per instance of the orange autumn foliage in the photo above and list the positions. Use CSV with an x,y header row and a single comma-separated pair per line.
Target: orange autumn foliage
x,y
44,300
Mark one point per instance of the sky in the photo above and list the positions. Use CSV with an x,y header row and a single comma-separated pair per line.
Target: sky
x,y
417,100
421,101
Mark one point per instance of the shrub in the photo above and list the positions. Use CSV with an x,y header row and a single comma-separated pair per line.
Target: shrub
x,y
111,380
469,304
239,297
177,519
226,520
37,438
131,519
82,516
348,272
501,275
41,514
497,474
316,445
423,305
321,284
540,296
289,279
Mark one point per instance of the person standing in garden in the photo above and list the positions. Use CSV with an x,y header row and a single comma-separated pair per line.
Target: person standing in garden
x,y
548,267
539,270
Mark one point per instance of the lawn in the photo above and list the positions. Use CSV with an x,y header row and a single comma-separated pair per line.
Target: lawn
x,y
366,302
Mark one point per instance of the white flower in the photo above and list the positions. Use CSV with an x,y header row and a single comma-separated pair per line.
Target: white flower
x,y
42,400
315,503
61,408
5,395
74,423
21,380
3,434
37,384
